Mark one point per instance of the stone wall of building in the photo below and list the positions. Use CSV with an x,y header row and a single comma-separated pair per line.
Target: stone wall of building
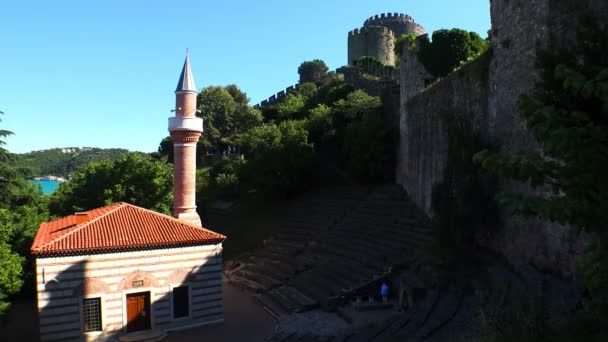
x,y
423,144
63,283
518,29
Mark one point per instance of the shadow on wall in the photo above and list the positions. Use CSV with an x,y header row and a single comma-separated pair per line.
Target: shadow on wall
x,y
73,306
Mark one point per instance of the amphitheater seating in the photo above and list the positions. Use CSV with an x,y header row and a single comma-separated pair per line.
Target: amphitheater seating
x,y
335,241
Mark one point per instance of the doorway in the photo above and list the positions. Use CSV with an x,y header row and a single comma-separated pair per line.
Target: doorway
x,y
138,311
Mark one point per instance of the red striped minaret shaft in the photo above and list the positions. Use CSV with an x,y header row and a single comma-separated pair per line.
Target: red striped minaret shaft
x,y
185,129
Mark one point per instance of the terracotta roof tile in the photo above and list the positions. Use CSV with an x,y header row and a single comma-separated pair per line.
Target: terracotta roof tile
x,y
119,226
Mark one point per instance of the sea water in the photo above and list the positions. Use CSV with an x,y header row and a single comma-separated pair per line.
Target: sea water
x,y
48,186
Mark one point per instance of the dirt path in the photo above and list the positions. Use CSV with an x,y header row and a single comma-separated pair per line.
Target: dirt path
x,y
244,320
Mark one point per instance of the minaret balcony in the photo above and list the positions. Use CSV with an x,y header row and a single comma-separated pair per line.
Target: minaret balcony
x,y
179,123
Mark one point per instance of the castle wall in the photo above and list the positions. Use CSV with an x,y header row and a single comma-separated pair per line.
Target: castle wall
x,y
398,23
374,41
357,46
518,28
423,144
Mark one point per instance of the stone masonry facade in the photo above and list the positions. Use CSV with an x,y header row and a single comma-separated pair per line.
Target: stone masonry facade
x,y
64,282
518,29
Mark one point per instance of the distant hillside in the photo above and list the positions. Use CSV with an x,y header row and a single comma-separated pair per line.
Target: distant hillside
x,y
62,161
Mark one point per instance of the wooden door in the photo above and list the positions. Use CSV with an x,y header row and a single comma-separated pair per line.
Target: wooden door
x,y
138,311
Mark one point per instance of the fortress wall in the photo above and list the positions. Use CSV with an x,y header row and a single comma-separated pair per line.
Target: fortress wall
x,y
424,136
381,44
357,46
375,41
278,96
399,23
518,28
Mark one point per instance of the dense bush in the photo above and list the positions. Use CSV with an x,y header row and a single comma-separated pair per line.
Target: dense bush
x,y
22,208
312,71
280,160
135,179
448,49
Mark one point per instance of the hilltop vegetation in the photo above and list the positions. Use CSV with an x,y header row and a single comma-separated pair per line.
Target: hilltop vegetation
x,y
62,161
22,209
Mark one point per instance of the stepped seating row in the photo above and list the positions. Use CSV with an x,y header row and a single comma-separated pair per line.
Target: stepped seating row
x,y
332,244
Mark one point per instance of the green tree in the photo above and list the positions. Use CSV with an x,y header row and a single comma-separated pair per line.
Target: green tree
x,y
247,118
312,71
11,271
410,38
332,92
134,178
217,108
280,160
165,149
308,90
22,208
320,128
239,96
3,134
449,49
291,107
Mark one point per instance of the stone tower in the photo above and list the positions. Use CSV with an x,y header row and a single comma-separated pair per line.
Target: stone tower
x,y
185,129
376,37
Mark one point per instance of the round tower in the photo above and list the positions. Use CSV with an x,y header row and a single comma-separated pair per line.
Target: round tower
x,y
376,38
399,23
374,41
185,129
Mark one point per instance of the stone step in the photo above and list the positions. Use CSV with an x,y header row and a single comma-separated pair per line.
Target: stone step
x,y
285,302
424,308
272,306
267,270
304,301
462,323
246,284
265,281
389,330
286,266
376,229
306,284
361,258
296,244
444,312
154,335
381,247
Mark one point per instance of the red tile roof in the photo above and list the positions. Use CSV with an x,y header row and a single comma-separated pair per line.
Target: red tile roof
x,y
120,226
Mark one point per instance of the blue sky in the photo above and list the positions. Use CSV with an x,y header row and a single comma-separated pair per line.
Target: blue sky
x,y
102,73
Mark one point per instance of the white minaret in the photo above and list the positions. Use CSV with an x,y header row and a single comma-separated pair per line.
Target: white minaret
x,y
185,129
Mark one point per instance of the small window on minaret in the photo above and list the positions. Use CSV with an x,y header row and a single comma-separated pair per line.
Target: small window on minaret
x,y
181,302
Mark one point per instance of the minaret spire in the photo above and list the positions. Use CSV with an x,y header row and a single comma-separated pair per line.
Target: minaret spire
x,y
186,81
185,129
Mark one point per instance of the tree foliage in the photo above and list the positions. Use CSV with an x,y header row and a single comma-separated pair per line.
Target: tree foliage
x,y
448,49
279,158
63,161
135,179
227,114
410,38
312,71
22,208
3,134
